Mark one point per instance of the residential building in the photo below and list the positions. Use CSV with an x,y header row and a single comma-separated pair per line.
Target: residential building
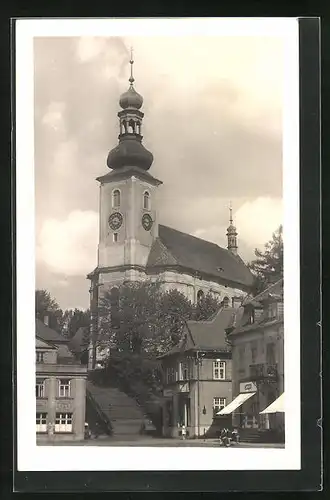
x,y
134,245
258,361
60,388
198,378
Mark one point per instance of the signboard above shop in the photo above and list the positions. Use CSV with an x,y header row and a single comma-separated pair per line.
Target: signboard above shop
x,y
247,387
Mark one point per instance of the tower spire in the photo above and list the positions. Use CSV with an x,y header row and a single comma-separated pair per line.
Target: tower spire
x,y
131,61
230,213
130,150
231,232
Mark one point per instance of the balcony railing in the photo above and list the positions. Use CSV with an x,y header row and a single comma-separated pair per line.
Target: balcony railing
x,y
263,371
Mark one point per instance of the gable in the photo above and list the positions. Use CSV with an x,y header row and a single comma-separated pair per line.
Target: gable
x,y
160,255
42,344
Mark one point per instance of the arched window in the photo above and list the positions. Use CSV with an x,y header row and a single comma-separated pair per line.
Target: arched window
x,y
114,307
200,295
116,198
124,127
131,127
226,302
146,200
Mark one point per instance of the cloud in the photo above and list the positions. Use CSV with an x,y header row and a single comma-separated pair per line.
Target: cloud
x,y
53,116
258,219
69,246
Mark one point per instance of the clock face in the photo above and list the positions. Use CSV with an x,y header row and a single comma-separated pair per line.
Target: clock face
x,y
115,221
147,222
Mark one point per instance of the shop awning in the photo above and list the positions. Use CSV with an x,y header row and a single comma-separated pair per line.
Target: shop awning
x,y
276,406
238,401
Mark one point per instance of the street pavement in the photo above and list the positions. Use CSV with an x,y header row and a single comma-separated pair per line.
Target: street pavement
x,y
160,442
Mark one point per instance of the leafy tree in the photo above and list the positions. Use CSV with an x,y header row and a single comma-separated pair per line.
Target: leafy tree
x,y
267,267
143,318
206,307
76,319
46,305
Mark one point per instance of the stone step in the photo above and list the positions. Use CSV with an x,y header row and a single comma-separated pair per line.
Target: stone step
x,y
123,413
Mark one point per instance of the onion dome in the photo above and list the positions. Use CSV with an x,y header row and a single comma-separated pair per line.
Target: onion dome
x,y
130,152
131,99
231,229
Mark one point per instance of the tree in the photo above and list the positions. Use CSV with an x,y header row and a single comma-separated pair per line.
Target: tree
x,y
77,319
143,317
46,305
267,268
206,307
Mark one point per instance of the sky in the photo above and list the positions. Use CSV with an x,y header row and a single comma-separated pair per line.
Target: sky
x,y
213,121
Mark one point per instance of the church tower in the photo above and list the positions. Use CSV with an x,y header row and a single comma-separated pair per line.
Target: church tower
x,y
231,233
128,214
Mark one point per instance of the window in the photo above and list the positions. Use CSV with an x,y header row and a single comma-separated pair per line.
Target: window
x,y
116,198
254,352
146,200
200,295
218,404
115,237
183,371
226,302
63,422
219,370
272,311
170,375
131,127
40,357
64,388
251,317
270,354
40,388
41,422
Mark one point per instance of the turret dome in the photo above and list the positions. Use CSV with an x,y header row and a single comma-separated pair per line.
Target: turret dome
x,y
131,99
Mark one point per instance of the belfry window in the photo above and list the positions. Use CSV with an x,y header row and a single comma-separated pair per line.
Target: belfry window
x,y
131,127
146,200
116,198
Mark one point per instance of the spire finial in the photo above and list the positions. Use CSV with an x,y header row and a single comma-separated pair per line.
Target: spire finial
x,y
131,78
230,213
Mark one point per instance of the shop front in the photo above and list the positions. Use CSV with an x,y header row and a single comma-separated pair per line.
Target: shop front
x,y
244,407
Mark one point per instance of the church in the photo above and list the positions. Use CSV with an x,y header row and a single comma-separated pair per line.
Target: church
x,y
134,245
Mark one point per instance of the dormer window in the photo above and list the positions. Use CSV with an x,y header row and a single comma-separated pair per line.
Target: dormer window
x,y
146,200
116,198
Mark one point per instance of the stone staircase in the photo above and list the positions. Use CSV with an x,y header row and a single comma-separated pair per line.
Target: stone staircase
x,y
124,416
258,436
